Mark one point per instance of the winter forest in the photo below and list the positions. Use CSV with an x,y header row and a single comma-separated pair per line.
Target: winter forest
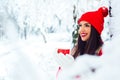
x,y
31,31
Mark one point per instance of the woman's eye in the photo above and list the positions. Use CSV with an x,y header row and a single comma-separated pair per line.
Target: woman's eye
x,y
87,25
80,25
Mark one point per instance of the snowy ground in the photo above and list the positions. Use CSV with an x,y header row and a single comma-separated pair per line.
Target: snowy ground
x,y
34,60
29,59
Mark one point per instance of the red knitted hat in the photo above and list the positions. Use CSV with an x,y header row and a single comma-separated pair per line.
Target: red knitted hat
x,y
95,18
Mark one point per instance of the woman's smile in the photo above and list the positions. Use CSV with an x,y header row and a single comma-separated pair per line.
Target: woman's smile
x,y
83,34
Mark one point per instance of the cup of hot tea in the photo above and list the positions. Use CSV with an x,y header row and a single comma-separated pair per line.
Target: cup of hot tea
x,y
63,51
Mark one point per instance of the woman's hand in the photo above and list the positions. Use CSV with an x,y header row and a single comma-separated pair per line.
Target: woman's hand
x,y
64,60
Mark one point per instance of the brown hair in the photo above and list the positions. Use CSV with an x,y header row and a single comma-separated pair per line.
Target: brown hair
x,y
90,46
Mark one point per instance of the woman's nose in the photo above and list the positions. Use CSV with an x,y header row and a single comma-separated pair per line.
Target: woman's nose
x,y
81,29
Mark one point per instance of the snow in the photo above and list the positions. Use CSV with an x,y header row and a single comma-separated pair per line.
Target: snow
x,y
32,31
22,61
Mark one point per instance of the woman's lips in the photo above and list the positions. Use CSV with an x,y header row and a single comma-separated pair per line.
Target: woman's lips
x,y
83,34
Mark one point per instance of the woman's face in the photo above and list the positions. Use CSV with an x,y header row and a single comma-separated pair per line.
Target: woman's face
x,y
84,30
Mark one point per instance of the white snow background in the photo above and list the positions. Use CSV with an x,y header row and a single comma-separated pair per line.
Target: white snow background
x,y
32,30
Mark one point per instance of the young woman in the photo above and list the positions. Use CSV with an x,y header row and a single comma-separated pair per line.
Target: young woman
x,y
90,28
89,39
